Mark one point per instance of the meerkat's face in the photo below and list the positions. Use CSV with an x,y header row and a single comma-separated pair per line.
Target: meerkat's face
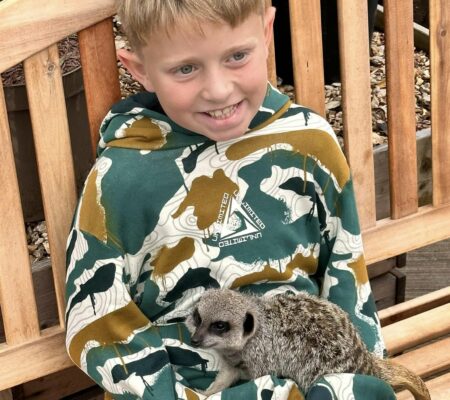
x,y
220,321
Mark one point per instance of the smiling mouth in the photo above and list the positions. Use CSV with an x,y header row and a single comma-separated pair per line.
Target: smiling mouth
x,y
223,113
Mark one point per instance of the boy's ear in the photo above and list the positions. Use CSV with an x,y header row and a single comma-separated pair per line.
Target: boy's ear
x,y
269,18
133,63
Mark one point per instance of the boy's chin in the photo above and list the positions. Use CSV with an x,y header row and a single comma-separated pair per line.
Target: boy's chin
x,y
224,136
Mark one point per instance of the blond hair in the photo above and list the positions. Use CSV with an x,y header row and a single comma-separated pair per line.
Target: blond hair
x,y
141,18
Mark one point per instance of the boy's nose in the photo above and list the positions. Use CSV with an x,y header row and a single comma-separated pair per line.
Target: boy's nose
x,y
217,87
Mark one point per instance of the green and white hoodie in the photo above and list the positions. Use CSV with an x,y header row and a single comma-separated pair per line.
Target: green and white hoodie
x,y
166,213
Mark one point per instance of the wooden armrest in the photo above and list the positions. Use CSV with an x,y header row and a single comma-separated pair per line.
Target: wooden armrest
x,y
420,329
439,389
415,306
33,359
428,360
417,329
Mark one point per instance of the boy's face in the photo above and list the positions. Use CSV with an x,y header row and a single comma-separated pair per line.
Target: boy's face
x,y
213,82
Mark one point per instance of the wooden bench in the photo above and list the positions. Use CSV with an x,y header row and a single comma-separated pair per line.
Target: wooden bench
x,y
29,33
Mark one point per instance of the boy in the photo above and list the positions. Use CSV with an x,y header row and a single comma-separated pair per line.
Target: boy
x,y
211,178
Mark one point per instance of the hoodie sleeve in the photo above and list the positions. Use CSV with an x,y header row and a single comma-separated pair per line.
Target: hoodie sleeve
x,y
345,278
108,337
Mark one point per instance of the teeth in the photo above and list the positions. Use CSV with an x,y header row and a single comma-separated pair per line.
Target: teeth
x,y
223,113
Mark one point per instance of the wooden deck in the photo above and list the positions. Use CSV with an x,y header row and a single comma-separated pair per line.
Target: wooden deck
x,y
427,269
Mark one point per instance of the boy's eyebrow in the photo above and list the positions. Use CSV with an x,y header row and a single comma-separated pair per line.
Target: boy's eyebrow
x,y
192,59
241,46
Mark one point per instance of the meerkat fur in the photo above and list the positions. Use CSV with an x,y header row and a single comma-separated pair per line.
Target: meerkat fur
x,y
301,337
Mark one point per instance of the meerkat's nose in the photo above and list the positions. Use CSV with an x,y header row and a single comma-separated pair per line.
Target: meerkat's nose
x,y
195,341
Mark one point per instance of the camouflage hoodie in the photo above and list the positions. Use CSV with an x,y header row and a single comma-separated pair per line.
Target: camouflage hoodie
x,y
166,213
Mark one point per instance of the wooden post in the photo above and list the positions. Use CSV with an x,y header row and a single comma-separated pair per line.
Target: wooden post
x,y
271,65
6,395
54,157
307,58
401,103
356,95
17,300
440,99
100,73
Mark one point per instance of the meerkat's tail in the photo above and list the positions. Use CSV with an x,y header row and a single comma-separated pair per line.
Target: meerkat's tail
x,y
400,377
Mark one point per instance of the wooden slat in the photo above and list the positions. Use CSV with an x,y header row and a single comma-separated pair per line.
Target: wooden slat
x,y
417,329
30,28
33,360
401,107
415,306
427,360
16,285
271,66
381,267
440,98
44,293
356,92
307,55
439,389
392,237
58,386
100,74
6,395
54,157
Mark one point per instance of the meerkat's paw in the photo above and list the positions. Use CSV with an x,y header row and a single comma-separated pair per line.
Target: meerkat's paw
x,y
225,378
207,393
215,387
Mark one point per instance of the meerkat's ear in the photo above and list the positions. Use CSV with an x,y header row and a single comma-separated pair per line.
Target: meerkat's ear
x,y
249,324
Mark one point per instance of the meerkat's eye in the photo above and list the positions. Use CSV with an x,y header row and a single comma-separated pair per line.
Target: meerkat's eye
x,y
219,327
197,318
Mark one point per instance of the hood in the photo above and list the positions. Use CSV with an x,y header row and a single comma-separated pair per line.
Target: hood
x,y
140,123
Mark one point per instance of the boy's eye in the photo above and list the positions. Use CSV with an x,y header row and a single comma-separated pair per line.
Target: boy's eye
x,y
185,69
239,56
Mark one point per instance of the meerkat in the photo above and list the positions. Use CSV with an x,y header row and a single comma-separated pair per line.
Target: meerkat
x,y
301,337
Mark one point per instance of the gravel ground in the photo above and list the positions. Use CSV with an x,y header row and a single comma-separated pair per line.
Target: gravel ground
x,y
69,57
378,84
36,232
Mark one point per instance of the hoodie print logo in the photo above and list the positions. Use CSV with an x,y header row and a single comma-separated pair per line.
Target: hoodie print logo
x,y
236,223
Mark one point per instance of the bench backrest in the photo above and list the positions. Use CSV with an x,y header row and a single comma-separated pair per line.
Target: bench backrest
x,y
28,34
409,226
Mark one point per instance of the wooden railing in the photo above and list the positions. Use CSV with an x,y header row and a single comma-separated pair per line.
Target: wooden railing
x,y
409,226
28,34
